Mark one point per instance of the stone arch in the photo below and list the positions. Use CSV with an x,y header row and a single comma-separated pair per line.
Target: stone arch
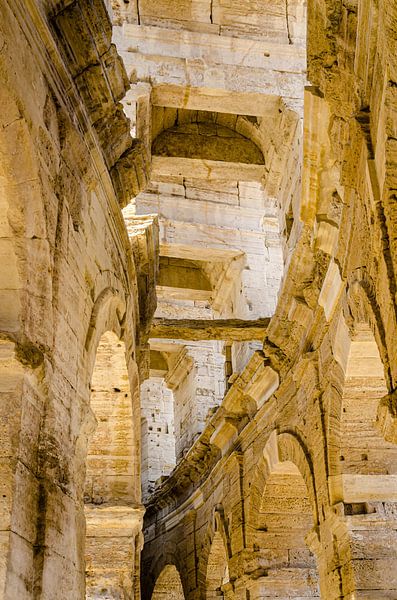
x,y
207,140
362,300
171,124
213,568
363,464
217,572
112,486
168,585
281,517
364,307
107,315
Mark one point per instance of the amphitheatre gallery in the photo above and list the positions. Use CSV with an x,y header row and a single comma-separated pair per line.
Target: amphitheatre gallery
x,y
198,299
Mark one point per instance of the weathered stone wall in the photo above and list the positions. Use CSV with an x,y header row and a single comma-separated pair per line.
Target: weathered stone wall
x,y
158,436
296,470
214,209
288,488
67,165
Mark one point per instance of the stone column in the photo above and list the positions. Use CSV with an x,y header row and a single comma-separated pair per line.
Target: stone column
x,y
113,542
21,409
357,553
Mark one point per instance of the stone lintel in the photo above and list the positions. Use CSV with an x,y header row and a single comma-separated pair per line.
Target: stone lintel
x,y
223,101
204,329
209,170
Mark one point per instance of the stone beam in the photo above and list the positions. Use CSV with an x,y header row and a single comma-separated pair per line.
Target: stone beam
x,y
218,62
230,330
217,100
210,170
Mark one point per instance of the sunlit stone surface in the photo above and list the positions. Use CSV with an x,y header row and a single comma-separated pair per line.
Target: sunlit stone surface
x,y
198,299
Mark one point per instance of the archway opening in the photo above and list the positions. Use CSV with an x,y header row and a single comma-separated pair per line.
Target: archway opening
x,y
110,473
367,462
109,491
285,565
217,569
168,585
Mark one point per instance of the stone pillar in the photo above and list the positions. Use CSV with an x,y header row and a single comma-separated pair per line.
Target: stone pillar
x,y
113,542
357,554
21,409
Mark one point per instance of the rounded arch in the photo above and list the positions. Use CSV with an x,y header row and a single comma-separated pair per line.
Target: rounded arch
x,y
363,463
168,585
207,140
213,568
106,315
281,517
173,126
363,306
106,329
362,298
280,447
112,475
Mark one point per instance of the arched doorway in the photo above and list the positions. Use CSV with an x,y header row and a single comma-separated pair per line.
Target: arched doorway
x,y
282,519
168,585
217,569
363,451
363,480
112,515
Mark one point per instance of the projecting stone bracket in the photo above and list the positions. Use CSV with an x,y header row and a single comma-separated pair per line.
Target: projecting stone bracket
x,y
225,434
83,32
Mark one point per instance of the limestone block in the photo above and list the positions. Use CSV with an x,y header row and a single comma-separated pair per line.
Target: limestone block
x,y
331,289
225,435
364,488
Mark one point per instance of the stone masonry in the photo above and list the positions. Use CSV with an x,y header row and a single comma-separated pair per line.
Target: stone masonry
x,y
198,299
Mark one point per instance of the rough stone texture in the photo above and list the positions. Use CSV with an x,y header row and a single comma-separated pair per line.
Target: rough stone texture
x,y
295,471
68,276
257,190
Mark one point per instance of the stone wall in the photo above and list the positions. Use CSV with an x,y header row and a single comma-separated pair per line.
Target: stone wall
x,y
218,183
295,471
276,213
68,275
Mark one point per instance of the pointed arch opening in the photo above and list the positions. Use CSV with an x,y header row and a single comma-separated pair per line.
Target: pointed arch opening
x,y
168,585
